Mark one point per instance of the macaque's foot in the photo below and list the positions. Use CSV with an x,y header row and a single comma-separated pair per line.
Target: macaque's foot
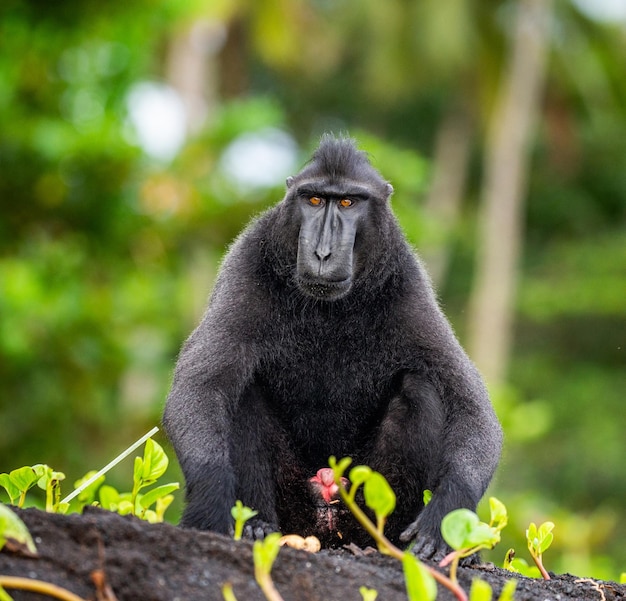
x,y
257,529
426,547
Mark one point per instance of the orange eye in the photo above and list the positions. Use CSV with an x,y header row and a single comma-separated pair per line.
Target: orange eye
x,y
316,201
345,202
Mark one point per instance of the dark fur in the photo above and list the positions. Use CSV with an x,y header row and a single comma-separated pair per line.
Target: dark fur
x,y
274,381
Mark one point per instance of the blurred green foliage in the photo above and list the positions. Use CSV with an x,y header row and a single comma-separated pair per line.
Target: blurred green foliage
x,y
107,256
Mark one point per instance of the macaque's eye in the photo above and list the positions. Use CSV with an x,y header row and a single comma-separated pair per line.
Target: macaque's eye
x,y
316,201
346,202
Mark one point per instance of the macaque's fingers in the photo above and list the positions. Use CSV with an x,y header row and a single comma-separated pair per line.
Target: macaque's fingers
x,y
256,529
410,532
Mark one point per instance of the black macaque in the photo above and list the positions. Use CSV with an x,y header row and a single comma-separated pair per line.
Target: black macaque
x,y
323,337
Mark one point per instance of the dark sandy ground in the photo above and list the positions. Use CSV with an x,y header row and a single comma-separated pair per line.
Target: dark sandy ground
x,y
159,562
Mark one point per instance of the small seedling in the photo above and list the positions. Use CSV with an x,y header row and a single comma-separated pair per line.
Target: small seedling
x,y
147,470
87,494
466,534
368,594
14,531
380,498
508,590
264,553
539,540
420,584
241,514
519,565
227,592
481,591
17,483
125,453
50,481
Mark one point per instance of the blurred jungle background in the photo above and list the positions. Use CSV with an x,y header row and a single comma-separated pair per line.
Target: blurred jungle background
x,y
137,138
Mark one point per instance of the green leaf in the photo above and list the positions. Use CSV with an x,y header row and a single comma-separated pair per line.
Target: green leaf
x,y
109,496
265,552
480,591
368,594
508,559
88,495
546,541
545,536
339,468
227,592
428,495
360,474
41,469
379,496
462,529
150,516
56,477
12,490
138,471
420,584
499,515
161,506
155,461
44,475
147,459
241,514
156,493
539,539
508,591
12,527
4,596
622,578
520,566
23,477
125,508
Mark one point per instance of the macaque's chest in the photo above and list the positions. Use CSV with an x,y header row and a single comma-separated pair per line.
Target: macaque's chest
x,y
330,390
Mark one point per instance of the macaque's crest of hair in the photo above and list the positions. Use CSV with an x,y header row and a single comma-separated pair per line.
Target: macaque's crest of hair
x,y
339,159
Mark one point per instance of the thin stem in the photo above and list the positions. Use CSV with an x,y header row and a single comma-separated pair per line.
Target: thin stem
x,y
462,554
387,547
453,567
268,588
539,564
384,544
227,592
39,586
49,498
453,587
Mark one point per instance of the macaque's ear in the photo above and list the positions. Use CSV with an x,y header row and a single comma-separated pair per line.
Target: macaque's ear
x,y
389,190
289,181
